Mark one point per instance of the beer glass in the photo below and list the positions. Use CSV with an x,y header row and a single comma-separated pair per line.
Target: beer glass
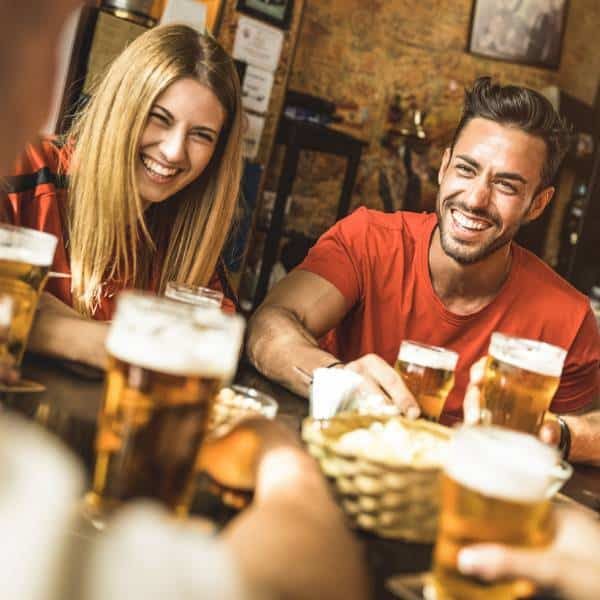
x,y
428,372
167,362
25,259
521,377
197,295
496,488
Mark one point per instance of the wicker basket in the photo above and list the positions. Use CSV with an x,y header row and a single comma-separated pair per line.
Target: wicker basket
x,y
389,499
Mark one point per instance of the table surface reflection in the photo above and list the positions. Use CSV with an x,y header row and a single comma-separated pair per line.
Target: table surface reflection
x,y
69,407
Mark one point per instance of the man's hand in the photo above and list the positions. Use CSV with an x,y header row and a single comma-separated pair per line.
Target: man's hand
x,y
570,565
381,377
472,401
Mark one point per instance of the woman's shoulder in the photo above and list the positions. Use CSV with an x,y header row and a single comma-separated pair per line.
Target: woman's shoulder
x,y
45,160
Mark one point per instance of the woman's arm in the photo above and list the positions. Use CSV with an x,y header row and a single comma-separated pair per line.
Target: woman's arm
x,y
60,331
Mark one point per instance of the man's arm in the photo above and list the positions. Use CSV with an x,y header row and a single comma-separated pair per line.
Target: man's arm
x,y
283,334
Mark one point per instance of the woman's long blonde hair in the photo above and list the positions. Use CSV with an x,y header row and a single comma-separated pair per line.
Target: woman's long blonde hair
x,y
110,235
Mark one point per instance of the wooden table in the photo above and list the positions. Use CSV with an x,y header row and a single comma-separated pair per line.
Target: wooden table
x,y
69,407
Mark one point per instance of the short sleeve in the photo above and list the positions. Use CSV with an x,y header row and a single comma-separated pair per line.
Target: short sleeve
x,y
580,380
339,255
220,282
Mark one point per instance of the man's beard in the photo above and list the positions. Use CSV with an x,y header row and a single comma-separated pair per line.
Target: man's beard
x,y
462,253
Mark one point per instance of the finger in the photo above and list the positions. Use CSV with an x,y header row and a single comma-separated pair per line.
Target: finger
x,y
491,562
477,371
390,382
472,405
550,433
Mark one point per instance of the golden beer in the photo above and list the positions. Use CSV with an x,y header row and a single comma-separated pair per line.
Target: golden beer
x,y
521,378
496,488
25,259
167,362
428,372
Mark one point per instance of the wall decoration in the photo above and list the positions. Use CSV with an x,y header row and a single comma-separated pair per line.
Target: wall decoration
x,y
276,12
524,31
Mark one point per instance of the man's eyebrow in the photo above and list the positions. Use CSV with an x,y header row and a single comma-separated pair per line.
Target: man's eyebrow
x,y
503,175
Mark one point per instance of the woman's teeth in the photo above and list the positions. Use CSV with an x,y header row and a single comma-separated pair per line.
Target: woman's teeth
x,y
157,169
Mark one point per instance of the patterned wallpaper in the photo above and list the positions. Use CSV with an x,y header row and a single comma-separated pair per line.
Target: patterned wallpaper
x,y
361,53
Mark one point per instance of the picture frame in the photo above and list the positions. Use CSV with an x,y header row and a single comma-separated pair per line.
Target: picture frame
x,y
275,12
529,32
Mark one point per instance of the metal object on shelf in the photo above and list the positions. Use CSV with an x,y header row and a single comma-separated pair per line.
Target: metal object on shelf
x,y
142,12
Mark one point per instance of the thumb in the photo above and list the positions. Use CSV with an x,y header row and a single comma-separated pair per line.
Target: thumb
x,y
550,433
491,562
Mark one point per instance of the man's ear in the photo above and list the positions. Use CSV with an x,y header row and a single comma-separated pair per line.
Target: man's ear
x,y
444,166
539,203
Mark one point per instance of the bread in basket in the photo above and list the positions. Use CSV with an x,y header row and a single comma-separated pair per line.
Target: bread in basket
x,y
388,488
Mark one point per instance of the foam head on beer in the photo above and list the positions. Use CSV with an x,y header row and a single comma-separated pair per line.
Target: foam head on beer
x,y
21,244
428,356
531,355
502,464
175,338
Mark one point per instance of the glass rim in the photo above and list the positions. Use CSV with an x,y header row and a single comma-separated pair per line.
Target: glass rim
x,y
263,398
194,289
426,355
527,354
38,246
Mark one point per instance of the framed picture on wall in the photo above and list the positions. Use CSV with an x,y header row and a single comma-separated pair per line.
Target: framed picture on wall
x,y
524,31
276,12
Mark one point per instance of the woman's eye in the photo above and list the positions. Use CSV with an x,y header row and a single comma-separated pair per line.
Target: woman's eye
x,y
159,117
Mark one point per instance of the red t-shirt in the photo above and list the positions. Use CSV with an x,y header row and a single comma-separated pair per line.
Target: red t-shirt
x,y
379,262
37,198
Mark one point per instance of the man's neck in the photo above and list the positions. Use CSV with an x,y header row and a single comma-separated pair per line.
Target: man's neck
x,y
466,289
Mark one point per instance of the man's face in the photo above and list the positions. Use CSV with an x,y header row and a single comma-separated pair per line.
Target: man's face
x,y
487,189
29,32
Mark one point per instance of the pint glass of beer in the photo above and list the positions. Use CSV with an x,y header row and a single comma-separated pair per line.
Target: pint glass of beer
x,y
496,488
167,362
520,380
428,372
25,259
196,295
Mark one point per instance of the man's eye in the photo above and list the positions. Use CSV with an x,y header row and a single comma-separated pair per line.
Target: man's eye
x,y
507,187
465,169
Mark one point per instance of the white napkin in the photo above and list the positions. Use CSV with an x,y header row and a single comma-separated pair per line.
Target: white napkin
x,y
331,387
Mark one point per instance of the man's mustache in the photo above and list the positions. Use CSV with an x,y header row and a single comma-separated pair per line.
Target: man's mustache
x,y
450,203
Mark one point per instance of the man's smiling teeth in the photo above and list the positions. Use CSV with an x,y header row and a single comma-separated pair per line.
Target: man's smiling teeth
x,y
158,169
467,223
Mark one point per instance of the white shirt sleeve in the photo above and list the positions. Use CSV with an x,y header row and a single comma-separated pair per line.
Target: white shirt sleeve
x,y
146,555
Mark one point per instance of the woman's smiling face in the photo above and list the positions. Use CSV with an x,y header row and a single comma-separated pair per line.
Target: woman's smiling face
x,y
179,139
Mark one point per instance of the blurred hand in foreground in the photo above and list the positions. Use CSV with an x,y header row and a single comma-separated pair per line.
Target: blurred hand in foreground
x,y
570,565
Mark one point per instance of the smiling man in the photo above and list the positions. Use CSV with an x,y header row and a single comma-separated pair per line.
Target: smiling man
x,y
449,279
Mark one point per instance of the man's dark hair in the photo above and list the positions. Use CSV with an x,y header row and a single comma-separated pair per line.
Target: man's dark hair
x,y
524,109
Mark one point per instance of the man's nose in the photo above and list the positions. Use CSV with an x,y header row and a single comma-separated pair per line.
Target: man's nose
x,y
478,194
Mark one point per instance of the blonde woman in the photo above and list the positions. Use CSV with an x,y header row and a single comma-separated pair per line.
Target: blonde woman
x,y
141,191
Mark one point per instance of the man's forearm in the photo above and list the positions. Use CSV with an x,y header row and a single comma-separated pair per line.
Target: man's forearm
x,y
278,341
585,437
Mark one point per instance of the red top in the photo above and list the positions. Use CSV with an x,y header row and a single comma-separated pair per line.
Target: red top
x,y
37,195
379,262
